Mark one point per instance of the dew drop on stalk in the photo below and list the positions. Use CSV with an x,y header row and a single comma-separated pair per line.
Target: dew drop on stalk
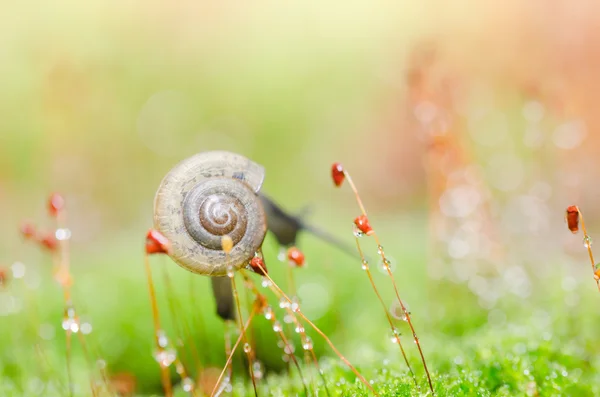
x,y
266,283
161,338
380,250
289,349
299,328
397,312
268,312
258,369
188,384
307,344
284,303
587,242
247,348
395,336
62,234
357,232
277,326
165,357
295,305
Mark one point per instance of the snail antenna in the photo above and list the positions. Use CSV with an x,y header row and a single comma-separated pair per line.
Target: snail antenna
x,y
285,227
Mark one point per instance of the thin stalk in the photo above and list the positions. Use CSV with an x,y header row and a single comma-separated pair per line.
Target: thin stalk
x,y
385,310
273,319
164,370
232,351
587,240
384,259
275,287
243,333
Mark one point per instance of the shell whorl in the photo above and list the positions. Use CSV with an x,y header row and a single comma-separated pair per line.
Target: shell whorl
x,y
202,199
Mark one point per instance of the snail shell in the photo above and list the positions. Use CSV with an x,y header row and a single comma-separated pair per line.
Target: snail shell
x,y
202,199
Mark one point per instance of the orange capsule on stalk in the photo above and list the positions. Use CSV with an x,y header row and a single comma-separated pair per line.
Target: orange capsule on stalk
x,y
337,174
49,241
56,203
3,276
156,243
295,256
362,223
28,230
572,218
257,264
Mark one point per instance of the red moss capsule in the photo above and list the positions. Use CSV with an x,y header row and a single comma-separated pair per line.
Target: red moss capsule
x,y
295,256
362,223
156,243
28,230
337,173
56,203
257,264
49,242
572,218
3,276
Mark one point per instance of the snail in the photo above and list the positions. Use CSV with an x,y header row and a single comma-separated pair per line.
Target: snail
x,y
217,193
204,198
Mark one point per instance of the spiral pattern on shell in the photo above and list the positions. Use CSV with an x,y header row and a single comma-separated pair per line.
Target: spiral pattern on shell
x,y
204,198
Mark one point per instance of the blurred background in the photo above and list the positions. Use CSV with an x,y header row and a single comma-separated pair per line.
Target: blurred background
x,y
468,128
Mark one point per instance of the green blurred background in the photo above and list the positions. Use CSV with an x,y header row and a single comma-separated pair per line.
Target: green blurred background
x,y
99,100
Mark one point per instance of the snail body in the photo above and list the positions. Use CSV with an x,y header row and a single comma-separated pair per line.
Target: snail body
x,y
202,199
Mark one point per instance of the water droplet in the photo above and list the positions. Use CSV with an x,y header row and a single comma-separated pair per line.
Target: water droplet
x,y
299,328
188,384
277,326
397,312
230,271
380,250
365,264
587,241
62,234
266,283
284,303
258,369
161,338
247,348
101,364
357,232
395,336
295,306
387,265
289,349
179,368
165,357
268,312
288,319
307,344
70,324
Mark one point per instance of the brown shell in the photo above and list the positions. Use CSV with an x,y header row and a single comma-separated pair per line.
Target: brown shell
x,y
183,196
